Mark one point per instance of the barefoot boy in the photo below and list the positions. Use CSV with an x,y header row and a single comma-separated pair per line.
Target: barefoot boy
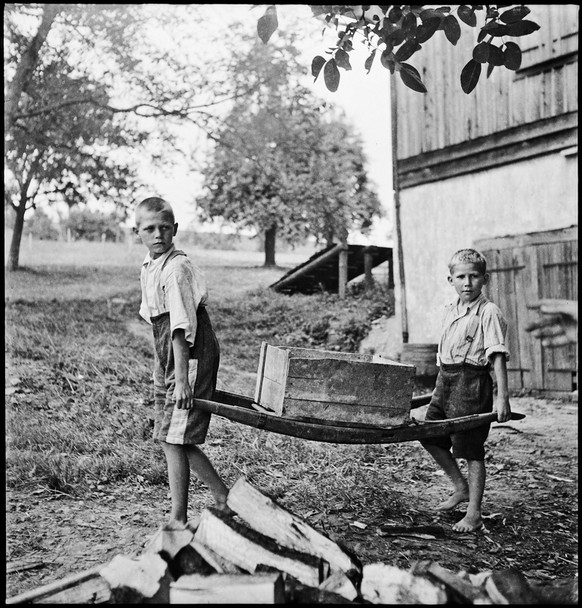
x,y
186,355
472,340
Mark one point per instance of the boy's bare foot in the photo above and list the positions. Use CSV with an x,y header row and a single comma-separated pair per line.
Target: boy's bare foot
x,y
457,497
469,523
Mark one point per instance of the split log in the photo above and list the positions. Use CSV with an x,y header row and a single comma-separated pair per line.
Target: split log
x,y
219,563
260,588
338,583
269,518
189,561
458,589
561,591
510,587
298,593
143,580
247,548
86,587
384,584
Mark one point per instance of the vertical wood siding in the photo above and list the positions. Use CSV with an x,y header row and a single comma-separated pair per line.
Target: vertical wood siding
x,y
446,116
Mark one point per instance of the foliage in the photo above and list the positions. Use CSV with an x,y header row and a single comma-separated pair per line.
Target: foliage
x,y
41,227
92,225
397,32
281,165
92,93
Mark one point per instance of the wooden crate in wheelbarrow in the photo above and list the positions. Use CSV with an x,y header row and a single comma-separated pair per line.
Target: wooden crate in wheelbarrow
x,y
305,384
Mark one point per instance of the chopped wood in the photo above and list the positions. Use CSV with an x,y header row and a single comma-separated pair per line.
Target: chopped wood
x,y
510,587
298,593
145,579
561,591
271,519
247,548
219,563
458,588
384,584
260,588
75,582
340,584
189,561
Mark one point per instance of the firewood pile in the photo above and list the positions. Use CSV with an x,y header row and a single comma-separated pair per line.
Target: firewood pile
x,y
265,554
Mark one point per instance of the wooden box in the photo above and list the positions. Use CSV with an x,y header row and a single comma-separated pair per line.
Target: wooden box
x,y
304,383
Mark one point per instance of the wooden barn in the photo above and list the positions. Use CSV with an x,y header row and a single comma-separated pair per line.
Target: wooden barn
x,y
497,170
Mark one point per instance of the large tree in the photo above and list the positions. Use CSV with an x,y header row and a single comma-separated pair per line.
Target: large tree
x,y
282,164
396,32
86,87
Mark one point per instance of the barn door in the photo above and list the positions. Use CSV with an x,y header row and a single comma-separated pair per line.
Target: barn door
x,y
523,269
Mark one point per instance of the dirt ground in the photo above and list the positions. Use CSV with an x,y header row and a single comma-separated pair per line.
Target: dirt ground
x,y
530,509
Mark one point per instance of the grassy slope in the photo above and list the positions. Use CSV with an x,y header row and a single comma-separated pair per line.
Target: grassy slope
x,y
79,382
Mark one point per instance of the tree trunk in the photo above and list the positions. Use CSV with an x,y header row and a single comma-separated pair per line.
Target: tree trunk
x,y
27,64
14,253
270,236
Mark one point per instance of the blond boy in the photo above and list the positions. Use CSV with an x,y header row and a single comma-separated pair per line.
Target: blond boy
x,y
473,340
186,355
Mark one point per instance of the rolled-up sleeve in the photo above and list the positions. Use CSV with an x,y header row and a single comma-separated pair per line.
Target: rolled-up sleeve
x,y
185,290
494,332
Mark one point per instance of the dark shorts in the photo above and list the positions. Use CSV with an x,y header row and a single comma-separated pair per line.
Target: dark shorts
x,y
461,390
181,426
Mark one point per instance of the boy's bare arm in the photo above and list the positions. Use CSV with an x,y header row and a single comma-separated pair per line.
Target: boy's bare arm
x,y
502,406
182,391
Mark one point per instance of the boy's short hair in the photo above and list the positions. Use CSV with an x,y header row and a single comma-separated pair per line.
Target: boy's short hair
x,y
156,204
468,256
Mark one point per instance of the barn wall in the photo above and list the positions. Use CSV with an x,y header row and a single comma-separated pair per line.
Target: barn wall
x,y
544,88
534,195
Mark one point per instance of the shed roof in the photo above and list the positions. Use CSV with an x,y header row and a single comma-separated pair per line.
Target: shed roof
x,y
321,271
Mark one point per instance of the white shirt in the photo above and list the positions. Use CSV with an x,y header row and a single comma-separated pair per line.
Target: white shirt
x,y
483,322
178,288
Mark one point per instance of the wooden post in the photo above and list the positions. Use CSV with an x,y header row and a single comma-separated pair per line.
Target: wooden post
x,y
396,183
368,261
343,271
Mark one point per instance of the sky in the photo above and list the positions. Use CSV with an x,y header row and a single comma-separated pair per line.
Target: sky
x,y
364,97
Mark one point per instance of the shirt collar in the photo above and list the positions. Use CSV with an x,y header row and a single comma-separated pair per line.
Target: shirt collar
x,y
148,260
474,305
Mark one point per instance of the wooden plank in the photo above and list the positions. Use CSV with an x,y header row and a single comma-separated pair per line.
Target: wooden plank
x,y
531,238
269,518
272,395
260,372
248,548
350,382
260,588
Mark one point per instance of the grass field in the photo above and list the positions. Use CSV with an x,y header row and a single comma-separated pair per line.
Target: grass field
x,y
78,373
85,482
